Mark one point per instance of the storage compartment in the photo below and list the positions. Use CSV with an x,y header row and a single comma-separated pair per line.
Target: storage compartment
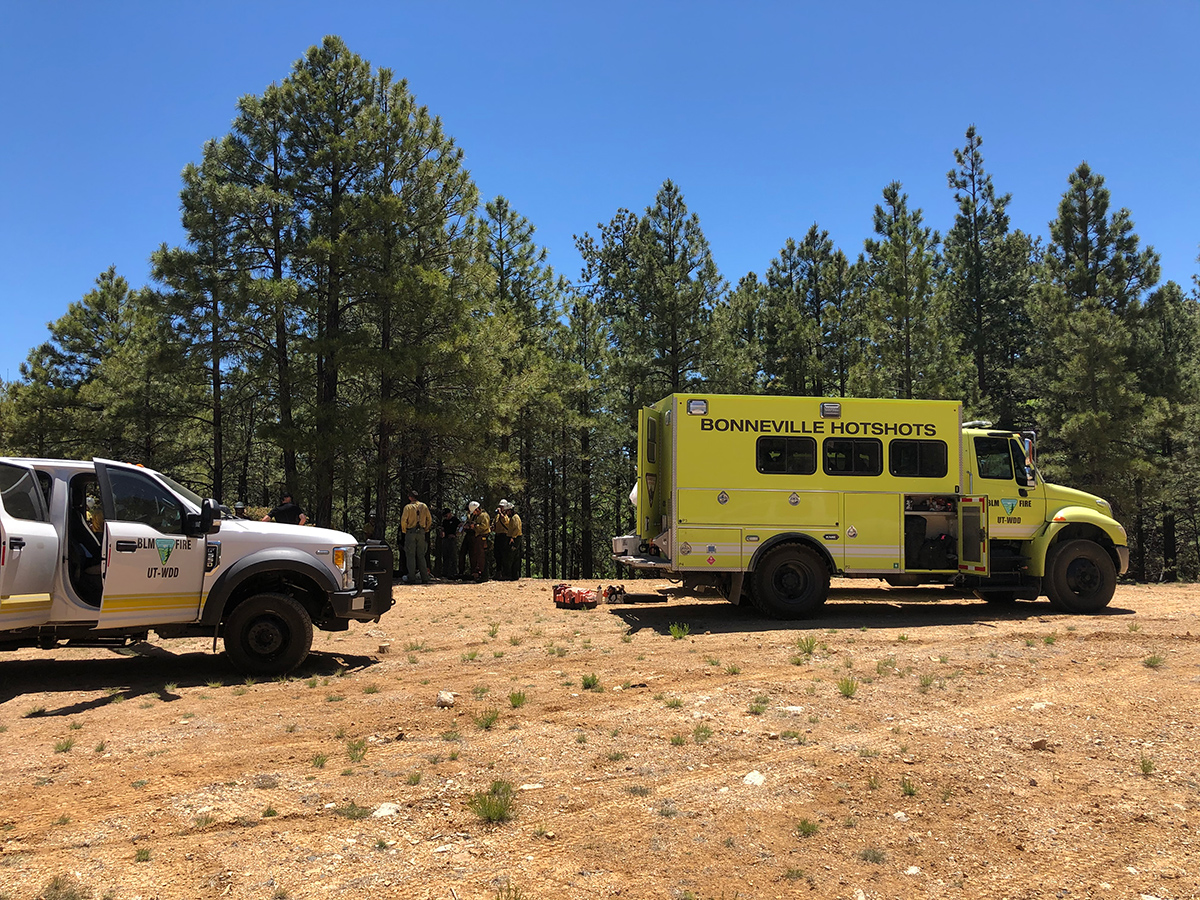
x,y
930,533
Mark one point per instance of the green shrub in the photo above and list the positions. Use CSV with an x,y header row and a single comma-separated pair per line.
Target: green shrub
x,y
679,630
807,828
495,804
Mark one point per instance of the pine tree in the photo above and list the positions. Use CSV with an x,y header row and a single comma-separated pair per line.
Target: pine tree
x,y
988,275
332,124
794,319
911,353
1101,423
844,322
737,328
1093,254
205,303
657,286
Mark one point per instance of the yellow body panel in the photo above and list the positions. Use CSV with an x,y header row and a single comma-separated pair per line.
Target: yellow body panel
x,y
719,549
785,465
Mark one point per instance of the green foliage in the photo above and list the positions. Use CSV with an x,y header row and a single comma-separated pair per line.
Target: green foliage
x,y
987,280
487,718
911,353
60,887
495,804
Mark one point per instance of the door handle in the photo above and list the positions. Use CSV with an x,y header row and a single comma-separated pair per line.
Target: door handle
x,y
16,543
126,546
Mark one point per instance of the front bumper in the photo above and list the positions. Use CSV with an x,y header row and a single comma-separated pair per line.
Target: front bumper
x,y
363,605
373,575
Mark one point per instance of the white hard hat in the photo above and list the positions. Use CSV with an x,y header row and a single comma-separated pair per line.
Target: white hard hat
x,y
472,506
504,504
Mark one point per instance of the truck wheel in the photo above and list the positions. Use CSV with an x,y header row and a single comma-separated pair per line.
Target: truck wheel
x,y
268,634
791,582
1080,577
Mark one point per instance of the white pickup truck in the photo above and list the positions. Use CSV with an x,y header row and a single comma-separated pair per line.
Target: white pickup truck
x,y
99,553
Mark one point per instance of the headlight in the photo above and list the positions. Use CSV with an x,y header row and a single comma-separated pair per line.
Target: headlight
x,y
343,560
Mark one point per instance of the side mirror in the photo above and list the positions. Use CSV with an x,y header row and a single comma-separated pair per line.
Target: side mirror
x,y
207,521
210,517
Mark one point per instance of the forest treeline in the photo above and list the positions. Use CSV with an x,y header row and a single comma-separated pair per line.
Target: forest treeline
x,y
348,318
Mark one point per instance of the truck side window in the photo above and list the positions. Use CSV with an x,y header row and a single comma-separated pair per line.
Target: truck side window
x,y
918,459
138,498
1025,476
853,456
651,440
786,455
21,494
993,457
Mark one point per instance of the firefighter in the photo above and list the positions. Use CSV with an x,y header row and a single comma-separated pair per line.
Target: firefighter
x,y
501,540
510,523
448,530
415,522
478,528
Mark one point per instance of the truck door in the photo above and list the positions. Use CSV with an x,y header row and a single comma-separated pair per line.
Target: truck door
x,y
973,535
1017,508
650,493
153,572
28,549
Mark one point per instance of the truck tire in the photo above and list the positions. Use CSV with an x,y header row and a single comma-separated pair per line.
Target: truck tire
x,y
791,582
268,634
1080,577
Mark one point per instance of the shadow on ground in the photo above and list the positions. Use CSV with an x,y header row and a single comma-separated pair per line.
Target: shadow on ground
x,y
141,670
855,608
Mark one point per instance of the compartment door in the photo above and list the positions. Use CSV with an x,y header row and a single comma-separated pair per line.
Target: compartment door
x,y
153,572
872,533
650,491
715,549
973,535
28,549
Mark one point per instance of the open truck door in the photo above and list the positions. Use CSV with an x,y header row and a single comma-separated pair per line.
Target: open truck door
x,y
154,569
29,549
650,492
973,536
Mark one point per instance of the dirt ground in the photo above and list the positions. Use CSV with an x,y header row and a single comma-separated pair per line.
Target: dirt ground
x,y
929,745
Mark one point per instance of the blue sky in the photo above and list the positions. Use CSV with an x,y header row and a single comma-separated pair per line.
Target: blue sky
x,y
770,116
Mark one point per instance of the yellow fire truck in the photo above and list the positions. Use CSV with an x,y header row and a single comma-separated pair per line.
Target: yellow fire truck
x,y
767,497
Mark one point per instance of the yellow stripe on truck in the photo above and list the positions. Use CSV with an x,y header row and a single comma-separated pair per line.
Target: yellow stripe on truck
x,y
24,604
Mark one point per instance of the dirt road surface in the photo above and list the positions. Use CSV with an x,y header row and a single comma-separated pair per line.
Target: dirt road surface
x,y
910,743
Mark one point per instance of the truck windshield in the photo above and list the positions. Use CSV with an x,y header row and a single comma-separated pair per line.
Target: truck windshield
x,y
187,494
